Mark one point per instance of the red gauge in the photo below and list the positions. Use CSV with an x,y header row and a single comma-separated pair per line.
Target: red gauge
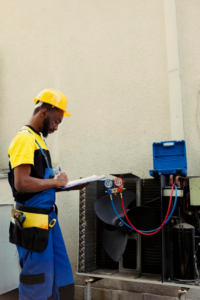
x,y
118,181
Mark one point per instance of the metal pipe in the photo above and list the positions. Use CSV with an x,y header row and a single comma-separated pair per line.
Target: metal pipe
x,y
88,285
139,203
177,180
175,97
171,179
88,291
182,294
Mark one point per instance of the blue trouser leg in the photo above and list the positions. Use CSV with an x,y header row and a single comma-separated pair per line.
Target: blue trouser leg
x,y
48,273
63,283
37,275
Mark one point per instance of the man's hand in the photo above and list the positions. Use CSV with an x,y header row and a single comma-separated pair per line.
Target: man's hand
x,y
61,179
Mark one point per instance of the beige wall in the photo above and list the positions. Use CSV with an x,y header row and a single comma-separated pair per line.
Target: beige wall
x,y
109,57
189,51
6,194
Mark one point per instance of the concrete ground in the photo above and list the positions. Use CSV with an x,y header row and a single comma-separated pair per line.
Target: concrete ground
x,y
106,294
110,294
122,290
99,294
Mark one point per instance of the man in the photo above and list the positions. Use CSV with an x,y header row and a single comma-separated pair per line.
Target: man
x,y
45,267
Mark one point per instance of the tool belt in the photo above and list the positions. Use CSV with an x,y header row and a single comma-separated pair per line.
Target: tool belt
x,y
30,227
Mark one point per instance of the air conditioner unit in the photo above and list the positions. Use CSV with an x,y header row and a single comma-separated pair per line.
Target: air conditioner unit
x,y
170,257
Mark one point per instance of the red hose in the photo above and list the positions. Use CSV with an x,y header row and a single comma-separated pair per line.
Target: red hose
x,y
152,233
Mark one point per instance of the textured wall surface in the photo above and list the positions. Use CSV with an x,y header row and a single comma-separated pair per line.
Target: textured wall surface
x,y
109,57
188,22
110,60
6,194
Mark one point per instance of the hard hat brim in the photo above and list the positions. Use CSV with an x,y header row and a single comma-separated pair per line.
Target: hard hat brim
x,y
66,113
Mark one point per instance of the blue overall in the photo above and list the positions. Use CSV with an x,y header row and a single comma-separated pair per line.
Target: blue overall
x,y
53,263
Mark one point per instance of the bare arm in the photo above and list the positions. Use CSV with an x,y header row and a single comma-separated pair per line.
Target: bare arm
x,y
24,183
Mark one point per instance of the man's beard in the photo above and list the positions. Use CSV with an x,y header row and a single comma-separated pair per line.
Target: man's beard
x,y
45,130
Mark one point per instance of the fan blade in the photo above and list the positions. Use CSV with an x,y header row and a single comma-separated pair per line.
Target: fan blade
x,y
114,243
104,210
144,218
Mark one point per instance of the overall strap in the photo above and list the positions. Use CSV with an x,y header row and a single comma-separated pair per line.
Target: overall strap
x,y
44,142
45,157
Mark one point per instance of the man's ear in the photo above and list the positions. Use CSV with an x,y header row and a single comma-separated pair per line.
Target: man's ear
x,y
44,113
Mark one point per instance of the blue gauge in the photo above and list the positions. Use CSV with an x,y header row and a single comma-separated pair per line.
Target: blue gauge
x,y
108,183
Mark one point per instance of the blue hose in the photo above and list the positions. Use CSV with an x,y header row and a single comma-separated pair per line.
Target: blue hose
x,y
150,231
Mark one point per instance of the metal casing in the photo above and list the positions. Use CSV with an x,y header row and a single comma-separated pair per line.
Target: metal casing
x,y
194,184
184,252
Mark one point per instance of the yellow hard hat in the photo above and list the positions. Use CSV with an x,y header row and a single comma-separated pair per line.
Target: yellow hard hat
x,y
55,98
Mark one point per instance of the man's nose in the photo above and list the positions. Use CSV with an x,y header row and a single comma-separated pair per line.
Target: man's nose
x,y
56,127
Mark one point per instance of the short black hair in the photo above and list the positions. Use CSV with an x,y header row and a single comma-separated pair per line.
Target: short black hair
x,y
49,107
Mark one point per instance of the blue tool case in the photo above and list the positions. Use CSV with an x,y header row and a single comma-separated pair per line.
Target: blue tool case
x,y
169,158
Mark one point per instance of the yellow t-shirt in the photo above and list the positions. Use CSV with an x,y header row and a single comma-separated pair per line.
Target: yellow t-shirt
x,y
24,150
23,146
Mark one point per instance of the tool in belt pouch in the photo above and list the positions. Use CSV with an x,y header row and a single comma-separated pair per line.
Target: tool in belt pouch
x,y
29,228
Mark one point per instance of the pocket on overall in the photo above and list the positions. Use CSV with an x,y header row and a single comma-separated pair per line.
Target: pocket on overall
x,y
30,238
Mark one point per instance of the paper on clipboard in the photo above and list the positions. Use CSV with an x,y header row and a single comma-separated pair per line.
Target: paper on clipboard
x,y
82,181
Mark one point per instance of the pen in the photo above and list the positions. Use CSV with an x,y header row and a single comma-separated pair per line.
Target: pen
x,y
60,171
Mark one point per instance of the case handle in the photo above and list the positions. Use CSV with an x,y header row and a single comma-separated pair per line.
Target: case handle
x,y
168,144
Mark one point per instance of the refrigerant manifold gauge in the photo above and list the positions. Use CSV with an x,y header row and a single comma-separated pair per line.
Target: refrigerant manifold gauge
x,y
118,181
108,183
